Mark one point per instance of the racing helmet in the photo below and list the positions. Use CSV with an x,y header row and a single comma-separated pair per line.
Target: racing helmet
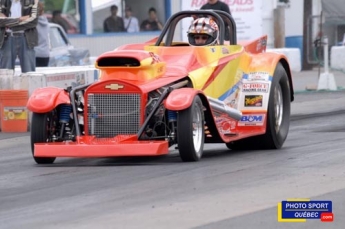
x,y
203,26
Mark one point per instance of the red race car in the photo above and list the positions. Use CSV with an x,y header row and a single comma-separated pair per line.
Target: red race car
x,y
168,92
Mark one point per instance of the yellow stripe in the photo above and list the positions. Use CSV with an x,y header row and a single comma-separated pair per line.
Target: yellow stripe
x,y
298,199
280,216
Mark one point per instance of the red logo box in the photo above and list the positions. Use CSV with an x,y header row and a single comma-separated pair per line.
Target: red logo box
x,y
326,217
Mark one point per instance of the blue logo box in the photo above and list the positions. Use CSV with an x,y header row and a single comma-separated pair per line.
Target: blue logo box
x,y
305,209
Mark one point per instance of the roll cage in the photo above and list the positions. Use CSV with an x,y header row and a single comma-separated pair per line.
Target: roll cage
x,y
222,19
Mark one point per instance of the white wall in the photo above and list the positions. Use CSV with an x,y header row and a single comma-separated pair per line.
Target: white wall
x,y
268,25
294,19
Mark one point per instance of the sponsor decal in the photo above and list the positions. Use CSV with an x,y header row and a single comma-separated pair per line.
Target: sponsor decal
x,y
225,50
232,100
160,70
252,120
225,125
213,49
253,100
14,113
257,76
261,45
255,87
61,77
155,58
213,24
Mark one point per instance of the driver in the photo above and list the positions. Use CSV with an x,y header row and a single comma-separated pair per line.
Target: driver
x,y
203,31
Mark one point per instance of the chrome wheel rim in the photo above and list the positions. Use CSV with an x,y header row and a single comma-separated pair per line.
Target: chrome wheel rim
x,y
278,107
197,130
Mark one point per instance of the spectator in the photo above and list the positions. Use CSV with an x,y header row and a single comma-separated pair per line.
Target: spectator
x,y
18,34
218,5
152,23
42,49
131,23
58,19
113,23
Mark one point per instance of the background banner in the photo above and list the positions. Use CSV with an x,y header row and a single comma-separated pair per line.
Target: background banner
x,y
247,15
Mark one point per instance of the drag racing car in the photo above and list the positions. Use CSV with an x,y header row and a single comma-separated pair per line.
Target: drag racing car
x,y
168,93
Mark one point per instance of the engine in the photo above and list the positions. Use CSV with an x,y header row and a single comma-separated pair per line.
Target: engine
x,y
158,124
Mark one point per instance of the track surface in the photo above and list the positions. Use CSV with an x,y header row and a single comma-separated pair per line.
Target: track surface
x,y
226,189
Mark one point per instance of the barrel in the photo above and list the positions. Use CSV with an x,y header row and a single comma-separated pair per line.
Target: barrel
x,y
14,114
295,42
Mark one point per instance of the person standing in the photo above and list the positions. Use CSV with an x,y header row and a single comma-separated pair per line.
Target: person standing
x,y
113,23
58,19
218,5
42,49
152,23
131,23
18,34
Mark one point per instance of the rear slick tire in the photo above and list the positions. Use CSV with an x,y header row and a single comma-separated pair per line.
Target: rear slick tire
x,y
278,116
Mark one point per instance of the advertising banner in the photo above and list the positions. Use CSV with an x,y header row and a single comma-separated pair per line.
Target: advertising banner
x,y
246,13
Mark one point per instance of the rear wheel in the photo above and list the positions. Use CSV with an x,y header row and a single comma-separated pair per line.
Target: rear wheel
x,y
190,131
42,130
278,116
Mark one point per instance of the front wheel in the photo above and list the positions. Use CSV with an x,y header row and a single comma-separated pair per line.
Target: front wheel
x,y
191,131
42,130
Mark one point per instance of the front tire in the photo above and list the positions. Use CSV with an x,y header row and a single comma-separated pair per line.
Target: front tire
x,y
42,126
191,131
278,116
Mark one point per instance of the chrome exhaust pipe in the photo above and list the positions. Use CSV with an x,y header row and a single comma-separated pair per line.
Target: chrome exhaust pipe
x,y
221,107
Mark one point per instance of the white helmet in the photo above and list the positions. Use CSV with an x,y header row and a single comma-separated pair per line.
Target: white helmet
x,y
203,26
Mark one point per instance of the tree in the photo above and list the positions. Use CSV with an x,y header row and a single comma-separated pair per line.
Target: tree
x,y
51,5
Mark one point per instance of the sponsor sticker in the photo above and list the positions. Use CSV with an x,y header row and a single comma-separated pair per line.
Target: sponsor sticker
x,y
252,120
253,100
258,76
14,113
261,44
225,50
225,125
255,87
155,58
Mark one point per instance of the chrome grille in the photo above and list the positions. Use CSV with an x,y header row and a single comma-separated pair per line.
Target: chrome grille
x,y
109,115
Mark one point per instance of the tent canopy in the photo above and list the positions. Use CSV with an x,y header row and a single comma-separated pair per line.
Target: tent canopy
x,y
334,11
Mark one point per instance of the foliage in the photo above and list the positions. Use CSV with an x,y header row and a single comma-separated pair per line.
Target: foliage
x,y
51,5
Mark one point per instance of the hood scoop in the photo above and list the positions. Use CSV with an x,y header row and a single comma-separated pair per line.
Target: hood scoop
x,y
136,65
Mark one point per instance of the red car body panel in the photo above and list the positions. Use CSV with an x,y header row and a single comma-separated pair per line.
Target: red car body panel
x,y
46,99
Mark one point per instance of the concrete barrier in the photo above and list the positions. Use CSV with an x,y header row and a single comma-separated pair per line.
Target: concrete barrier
x,y
338,57
6,79
293,55
55,76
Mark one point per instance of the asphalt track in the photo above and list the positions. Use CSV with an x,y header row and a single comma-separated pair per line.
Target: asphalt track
x,y
226,189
